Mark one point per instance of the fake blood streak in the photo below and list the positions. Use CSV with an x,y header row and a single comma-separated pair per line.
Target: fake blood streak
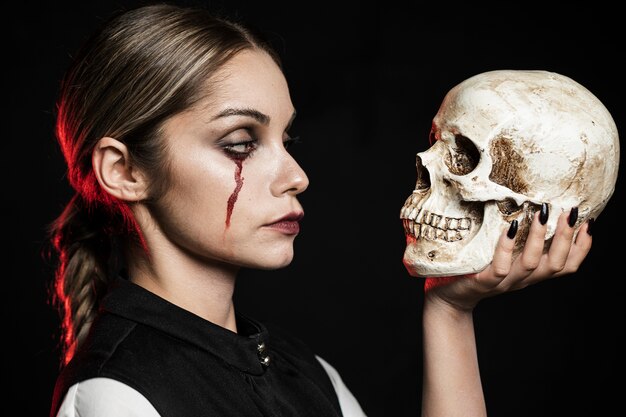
x,y
233,197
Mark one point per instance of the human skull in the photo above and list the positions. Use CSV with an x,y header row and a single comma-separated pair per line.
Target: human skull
x,y
502,143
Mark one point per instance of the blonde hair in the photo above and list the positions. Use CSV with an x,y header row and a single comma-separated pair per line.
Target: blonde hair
x,y
141,68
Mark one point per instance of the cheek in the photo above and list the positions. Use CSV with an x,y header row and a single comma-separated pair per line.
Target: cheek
x,y
199,190
246,185
217,195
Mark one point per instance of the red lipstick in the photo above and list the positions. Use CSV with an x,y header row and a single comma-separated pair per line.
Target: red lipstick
x,y
288,224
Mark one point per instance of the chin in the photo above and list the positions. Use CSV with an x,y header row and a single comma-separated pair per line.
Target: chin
x,y
273,260
282,263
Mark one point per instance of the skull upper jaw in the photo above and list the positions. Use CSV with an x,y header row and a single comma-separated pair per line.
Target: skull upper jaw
x,y
427,255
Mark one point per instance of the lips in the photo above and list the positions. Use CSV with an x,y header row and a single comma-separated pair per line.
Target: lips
x,y
288,224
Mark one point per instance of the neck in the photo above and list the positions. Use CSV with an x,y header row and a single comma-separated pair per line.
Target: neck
x,y
205,289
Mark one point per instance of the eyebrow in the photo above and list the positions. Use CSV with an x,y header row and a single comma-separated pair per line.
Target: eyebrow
x,y
255,114
262,118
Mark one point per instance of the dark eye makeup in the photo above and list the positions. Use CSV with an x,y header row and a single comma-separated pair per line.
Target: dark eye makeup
x,y
245,147
241,149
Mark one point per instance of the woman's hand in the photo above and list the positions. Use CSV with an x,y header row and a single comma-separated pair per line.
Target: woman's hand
x,y
451,377
529,267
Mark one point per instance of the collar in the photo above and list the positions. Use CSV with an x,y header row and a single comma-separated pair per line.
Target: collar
x,y
245,350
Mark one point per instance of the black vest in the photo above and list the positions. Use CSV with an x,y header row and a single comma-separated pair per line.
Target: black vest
x,y
189,367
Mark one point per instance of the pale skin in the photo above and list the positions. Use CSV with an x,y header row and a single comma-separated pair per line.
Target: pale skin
x,y
195,253
195,257
451,383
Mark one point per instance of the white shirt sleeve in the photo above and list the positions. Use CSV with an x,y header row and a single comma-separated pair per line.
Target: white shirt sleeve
x,y
105,397
350,407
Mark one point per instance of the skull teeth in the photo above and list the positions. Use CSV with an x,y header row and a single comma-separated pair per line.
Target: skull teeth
x,y
431,226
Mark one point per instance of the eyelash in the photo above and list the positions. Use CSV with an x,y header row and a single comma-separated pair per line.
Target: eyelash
x,y
251,146
231,148
291,141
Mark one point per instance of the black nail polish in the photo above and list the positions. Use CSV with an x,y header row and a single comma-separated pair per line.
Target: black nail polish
x,y
573,216
543,215
512,230
590,223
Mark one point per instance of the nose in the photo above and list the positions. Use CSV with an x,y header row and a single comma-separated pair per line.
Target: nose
x,y
423,177
290,178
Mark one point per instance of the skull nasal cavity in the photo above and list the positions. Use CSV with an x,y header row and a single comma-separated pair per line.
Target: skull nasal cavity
x,y
423,177
462,157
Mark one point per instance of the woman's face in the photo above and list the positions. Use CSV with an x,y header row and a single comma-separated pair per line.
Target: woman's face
x,y
233,185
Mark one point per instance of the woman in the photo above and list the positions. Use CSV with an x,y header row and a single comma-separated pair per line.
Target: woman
x,y
174,125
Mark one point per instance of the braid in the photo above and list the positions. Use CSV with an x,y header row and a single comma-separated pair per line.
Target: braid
x,y
82,276
125,81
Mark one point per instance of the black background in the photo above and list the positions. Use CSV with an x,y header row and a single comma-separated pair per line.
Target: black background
x,y
366,81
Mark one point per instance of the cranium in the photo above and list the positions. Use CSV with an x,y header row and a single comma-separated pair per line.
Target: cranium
x,y
502,143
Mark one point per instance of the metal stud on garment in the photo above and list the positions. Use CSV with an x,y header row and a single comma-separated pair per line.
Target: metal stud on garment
x,y
265,361
263,358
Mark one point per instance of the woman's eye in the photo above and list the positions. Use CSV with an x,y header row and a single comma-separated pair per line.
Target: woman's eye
x,y
241,149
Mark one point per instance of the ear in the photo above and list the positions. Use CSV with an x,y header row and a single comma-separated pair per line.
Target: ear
x,y
115,173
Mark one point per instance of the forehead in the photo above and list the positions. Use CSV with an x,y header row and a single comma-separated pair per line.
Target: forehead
x,y
250,79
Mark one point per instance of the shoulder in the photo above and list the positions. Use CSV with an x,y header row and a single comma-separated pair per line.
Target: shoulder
x,y
294,350
292,355
303,358
109,354
104,397
350,407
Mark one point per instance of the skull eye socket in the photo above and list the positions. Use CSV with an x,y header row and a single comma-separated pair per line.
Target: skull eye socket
x,y
463,157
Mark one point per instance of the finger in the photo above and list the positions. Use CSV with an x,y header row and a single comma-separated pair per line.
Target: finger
x,y
579,250
500,264
562,241
531,255
564,256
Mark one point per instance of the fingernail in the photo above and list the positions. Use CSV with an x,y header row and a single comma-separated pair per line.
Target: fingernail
x,y
573,216
543,215
590,223
512,230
